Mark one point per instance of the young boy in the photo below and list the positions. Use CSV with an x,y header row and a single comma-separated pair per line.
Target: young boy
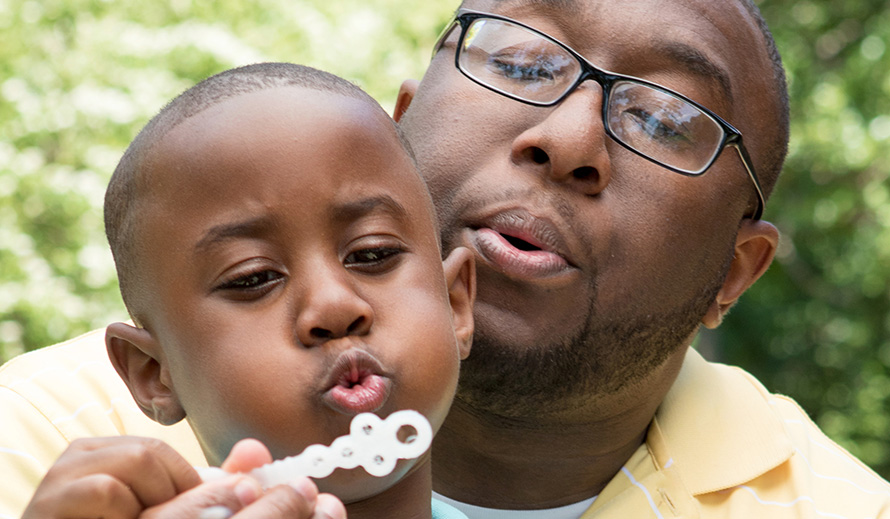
x,y
278,254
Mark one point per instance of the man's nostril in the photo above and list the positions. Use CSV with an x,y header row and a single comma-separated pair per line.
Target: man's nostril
x,y
539,156
320,333
584,173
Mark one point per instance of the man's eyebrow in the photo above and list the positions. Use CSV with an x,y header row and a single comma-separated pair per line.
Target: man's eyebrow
x,y
355,209
560,4
227,231
697,62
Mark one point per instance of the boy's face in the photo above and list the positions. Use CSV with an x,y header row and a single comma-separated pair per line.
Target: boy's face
x,y
295,276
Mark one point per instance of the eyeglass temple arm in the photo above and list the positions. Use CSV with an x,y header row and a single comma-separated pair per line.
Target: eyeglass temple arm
x,y
746,160
444,34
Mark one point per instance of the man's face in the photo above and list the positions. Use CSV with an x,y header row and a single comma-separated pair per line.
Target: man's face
x,y
296,275
594,264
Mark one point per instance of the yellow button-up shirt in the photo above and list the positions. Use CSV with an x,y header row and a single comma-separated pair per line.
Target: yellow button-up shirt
x,y
720,445
51,396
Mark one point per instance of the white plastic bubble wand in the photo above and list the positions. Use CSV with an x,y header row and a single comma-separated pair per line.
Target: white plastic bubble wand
x,y
371,443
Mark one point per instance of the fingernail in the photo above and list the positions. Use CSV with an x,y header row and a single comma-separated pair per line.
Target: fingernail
x,y
306,488
247,491
327,509
215,512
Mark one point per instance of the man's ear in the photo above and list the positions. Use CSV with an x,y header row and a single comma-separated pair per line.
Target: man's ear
x,y
137,358
406,95
755,248
460,275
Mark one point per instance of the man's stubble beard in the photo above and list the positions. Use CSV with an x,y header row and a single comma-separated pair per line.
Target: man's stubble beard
x,y
575,369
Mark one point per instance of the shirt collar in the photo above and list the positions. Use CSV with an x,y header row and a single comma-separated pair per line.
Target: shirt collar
x,y
716,428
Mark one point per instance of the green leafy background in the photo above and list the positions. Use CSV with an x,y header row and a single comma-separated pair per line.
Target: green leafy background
x,y
78,78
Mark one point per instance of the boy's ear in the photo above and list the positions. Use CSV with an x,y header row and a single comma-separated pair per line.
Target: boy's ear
x,y
460,275
755,248
136,356
406,95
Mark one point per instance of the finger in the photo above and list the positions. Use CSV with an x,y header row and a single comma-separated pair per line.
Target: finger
x,y
95,495
329,507
247,455
296,500
152,469
232,493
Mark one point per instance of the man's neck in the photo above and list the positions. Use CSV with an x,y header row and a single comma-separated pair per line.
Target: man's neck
x,y
543,461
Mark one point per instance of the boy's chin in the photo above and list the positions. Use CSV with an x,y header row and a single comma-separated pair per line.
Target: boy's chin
x,y
355,485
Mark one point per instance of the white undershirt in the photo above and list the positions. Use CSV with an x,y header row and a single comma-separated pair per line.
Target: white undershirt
x,y
573,511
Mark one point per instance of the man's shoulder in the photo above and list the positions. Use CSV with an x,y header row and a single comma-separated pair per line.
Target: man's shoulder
x,y
791,468
71,390
67,357
71,385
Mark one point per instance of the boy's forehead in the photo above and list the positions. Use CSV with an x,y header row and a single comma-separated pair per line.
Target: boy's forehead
x,y
274,108
281,136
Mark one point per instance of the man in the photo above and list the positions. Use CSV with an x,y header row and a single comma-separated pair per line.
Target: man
x,y
590,153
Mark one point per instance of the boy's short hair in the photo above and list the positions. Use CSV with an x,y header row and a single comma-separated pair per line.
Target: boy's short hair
x,y
130,176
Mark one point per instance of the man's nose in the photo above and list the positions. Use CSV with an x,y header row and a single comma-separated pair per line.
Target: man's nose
x,y
330,307
568,145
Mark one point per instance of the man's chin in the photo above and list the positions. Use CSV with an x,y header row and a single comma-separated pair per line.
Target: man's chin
x,y
586,370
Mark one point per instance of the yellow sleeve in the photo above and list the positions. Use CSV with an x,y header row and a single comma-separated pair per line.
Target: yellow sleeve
x,y
54,395
29,444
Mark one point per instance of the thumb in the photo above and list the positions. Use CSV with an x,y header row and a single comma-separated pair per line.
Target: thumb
x,y
232,493
247,455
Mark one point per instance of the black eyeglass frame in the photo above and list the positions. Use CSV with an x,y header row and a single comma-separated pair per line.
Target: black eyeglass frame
x,y
731,136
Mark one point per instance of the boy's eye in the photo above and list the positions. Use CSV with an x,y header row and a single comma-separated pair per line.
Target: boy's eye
x,y
373,259
253,283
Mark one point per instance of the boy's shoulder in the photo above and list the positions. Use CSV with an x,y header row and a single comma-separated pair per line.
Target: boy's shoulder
x,y
442,510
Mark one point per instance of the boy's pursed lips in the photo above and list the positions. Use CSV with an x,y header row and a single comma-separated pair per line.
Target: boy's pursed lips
x,y
356,382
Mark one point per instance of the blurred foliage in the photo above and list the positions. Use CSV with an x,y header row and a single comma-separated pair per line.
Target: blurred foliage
x,y
78,78
817,326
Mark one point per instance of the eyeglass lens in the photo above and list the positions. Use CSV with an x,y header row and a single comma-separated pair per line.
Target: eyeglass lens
x,y
525,65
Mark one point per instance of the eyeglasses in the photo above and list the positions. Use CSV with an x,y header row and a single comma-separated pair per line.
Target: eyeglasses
x,y
656,123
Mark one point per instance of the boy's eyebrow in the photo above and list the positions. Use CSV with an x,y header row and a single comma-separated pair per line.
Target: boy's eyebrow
x,y
340,213
355,209
226,231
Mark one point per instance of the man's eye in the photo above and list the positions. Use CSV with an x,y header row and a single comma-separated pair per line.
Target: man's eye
x,y
532,65
521,71
254,281
523,68
659,128
375,257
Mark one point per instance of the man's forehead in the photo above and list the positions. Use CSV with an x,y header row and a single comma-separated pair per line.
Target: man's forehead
x,y
693,40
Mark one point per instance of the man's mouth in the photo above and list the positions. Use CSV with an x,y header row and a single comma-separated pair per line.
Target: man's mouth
x,y
356,384
520,246
519,243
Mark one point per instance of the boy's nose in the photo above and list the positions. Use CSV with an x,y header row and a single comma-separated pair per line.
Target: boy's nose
x,y
331,308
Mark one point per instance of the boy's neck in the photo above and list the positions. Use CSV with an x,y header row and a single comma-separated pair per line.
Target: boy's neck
x,y
410,498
